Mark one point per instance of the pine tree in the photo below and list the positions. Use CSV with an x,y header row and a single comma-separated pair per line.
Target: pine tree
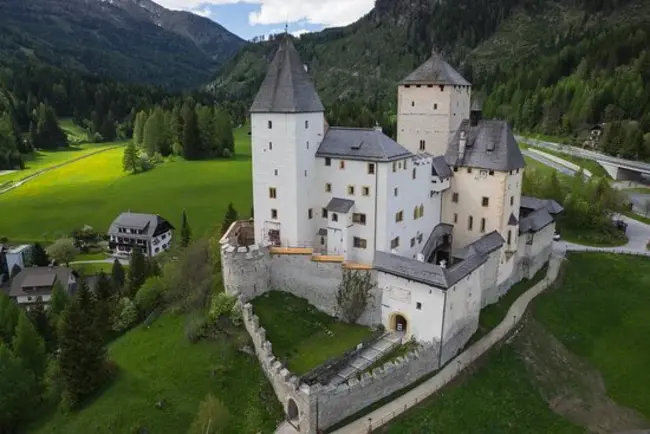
x,y
230,218
59,300
191,136
103,287
39,256
117,276
17,391
29,347
226,138
138,129
8,318
131,160
137,273
42,324
154,133
186,232
81,348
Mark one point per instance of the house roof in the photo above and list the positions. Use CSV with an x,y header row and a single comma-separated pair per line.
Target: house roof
x,y
483,246
41,278
147,222
533,203
512,221
287,88
436,71
489,145
535,221
322,232
365,144
339,205
19,249
440,168
435,238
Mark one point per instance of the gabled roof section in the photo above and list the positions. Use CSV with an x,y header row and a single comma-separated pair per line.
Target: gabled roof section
x,y
365,144
436,71
287,87
488,145
483,246
411,269
151,224
339,205
534,204
440,168
535,221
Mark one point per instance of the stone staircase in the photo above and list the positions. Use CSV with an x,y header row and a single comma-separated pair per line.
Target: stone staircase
x,y
376,351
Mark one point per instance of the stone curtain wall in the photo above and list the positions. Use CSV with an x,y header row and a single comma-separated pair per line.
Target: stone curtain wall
x,y
245,270
336,403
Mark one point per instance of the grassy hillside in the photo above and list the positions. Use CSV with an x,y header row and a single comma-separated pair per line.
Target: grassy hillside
x,y
95,190
156,363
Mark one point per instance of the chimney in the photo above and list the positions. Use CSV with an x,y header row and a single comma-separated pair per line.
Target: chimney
x,y
378,127
306,67
420,257
462,143
443,264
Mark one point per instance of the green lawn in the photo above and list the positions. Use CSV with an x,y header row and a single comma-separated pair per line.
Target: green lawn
x,y
500,397
157,363
91,257
75,133
303,336
95,190
600,313
92,269
637,217
642,190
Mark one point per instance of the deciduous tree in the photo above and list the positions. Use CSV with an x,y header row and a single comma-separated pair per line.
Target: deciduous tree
x,y
62,251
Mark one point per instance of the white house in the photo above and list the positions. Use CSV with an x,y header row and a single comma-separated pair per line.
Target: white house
x,y
148,232
34,285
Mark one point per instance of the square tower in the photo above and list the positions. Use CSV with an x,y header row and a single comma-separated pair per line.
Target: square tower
x,y
431,104
287,126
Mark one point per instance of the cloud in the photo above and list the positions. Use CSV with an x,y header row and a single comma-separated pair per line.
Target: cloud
x,y
204,12
298,33
325,12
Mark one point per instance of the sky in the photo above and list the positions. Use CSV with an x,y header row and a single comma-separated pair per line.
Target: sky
x,y
251,18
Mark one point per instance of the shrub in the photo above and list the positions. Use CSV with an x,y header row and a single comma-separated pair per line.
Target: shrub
x,y
236,315
127,315
222,304
197,327
227,153
150,295
212,417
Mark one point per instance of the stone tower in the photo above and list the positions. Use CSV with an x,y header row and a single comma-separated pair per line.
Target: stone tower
x,y
431,104
287,125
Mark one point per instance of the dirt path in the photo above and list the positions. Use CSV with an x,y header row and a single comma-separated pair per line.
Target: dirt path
x,y
47,169
572,387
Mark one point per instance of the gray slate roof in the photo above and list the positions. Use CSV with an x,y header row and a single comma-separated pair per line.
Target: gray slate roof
x,y
42,278
436,71
512,221
365,144
483,246
436,238
146,222
440,167
287,87
339,205
535,221
534,203
490,145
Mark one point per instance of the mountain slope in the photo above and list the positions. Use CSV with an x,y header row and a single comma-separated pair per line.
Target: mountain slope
x,y
127,40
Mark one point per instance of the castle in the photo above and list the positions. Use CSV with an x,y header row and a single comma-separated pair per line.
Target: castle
x,y
437,218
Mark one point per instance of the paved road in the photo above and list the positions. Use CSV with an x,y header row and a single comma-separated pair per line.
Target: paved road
x,y
591,155
549,163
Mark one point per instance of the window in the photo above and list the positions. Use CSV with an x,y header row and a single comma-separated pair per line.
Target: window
x,y
157,250
274,214
418,306
412,103
395,191
328,188
351,190
359,218
485,202
310,213
529,239
455,218
328,161
435,106
394,166
365,191
414,174
454,197
342,164
412,242
470,223
273,193
420,239
509,237
324,213
270,125
307,145
305,173
270,146
455,169
423,145
483,225
394,243
421,211
415,213
359,243
371,169
322,241
399,165
491,172
276,172
512,200
406,164
335,217
399,216
306,125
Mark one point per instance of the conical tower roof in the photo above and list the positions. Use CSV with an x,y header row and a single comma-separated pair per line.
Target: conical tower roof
x,y
287,87
436,71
